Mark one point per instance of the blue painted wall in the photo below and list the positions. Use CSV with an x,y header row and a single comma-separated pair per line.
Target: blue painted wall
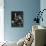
x,y
29,7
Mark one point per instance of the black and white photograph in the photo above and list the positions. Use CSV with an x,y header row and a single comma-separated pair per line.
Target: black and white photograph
x,y
17,19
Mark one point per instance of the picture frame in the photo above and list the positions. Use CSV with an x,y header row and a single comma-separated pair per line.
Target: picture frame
x,y
17,19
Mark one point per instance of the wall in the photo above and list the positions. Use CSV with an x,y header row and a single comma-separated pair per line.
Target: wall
x,y
1,24
29,7
1,21
43,6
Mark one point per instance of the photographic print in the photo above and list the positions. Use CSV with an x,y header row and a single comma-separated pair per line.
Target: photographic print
x,y
17,19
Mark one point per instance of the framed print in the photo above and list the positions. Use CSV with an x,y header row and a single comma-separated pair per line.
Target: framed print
x,y
17,19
